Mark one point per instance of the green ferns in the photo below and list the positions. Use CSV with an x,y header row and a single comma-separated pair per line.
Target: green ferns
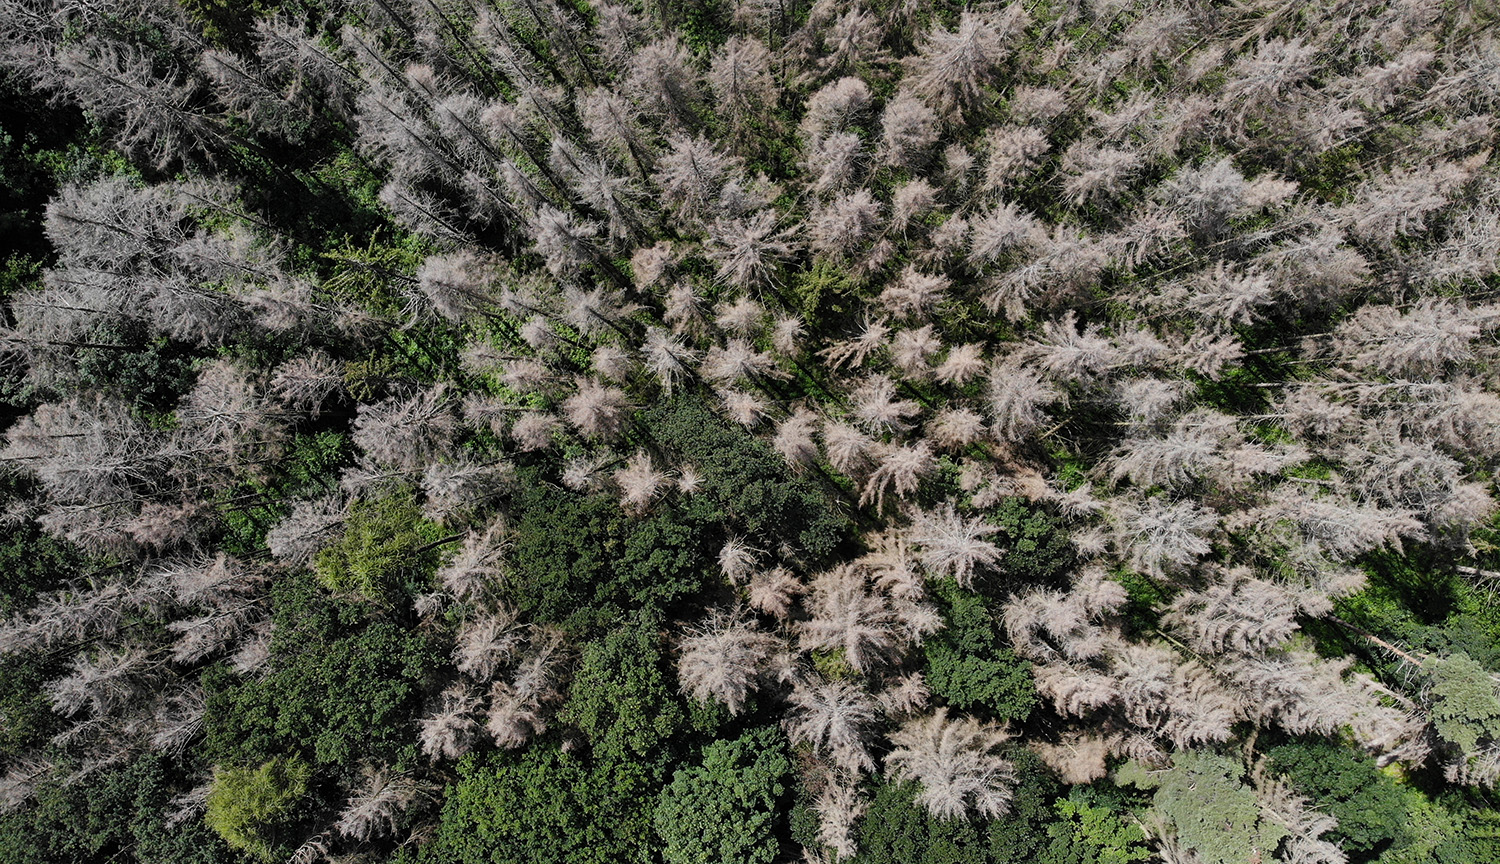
x,y
246,805
387,546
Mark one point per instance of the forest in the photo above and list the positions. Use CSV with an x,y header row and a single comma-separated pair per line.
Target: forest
x,y
749,431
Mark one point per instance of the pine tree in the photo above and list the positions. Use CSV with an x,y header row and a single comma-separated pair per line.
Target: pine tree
x,y
640,483
773,591
908,132
518,707
953,65
952,545
691,178
660,78
794,439
847,616
835,718
954,762
740,78
901,467
596,410
451,730
838,807
724,658
748,251
407,433
1159,536
836,107
845,225
877,409
1017,395
377,807
155,114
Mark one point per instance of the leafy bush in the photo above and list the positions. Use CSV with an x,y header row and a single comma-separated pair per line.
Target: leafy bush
x,y
967,665
1038,551
1090,831
727,808
542,805
343,685
896,830
623,695
118,814
1465,704
1370,807
578,560
747,483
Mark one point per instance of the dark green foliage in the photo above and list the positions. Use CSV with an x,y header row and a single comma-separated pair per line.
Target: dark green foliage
x,y
702,24
824,291
117,814
228,22
1370,807
896,830
543,806
517,808
578,560
1477,838
30,562
247,806
748,484
1381,818
969,668
624,695
599,809
344,685
1020,836
152,375
35,132
18,271
627,769
803,821
726,809
387,548
1473,631
1037,551
1142,611
25,713
310,460
1449,830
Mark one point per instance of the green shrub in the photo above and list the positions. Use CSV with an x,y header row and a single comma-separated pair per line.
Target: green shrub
x,y
1368,804
745,483
896,830
726,809
580,561
544,806
117,815
1037,552
969,668
623,694
343,685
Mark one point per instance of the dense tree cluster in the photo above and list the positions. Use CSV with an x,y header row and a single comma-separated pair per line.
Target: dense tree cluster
x,y
617,430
